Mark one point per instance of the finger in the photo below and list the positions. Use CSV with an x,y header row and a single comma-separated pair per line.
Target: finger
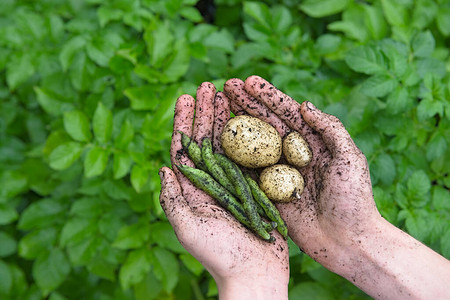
x,y
235,89
172,201
184,116
204,112
236,109
333,132
183,119
221,117
286,108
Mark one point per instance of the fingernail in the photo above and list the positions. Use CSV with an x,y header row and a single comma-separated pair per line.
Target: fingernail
x,y
310,106
161,174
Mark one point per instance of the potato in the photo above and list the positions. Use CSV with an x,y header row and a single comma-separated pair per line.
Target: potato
x,y
296,150
251,142
281,183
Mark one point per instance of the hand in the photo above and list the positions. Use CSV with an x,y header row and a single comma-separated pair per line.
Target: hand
x,y
337,205
336,221
243,265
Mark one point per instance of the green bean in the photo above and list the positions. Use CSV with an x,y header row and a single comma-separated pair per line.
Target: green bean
x,y
193,150
270,208
213,167
244,193
205,182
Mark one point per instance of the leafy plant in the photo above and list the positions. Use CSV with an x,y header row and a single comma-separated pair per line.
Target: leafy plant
x,y
87,90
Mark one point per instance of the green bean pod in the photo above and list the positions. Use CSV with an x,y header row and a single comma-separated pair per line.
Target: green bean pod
x,y
213,167
193,150
205,182
270,208
234,173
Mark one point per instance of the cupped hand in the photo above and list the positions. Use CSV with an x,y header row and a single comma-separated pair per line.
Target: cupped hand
x,y
337,206
229,251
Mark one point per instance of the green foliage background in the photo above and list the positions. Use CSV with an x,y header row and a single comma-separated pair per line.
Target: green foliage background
x,y
87,90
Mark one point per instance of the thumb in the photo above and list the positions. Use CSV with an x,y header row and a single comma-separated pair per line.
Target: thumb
x,y
171,198
333,132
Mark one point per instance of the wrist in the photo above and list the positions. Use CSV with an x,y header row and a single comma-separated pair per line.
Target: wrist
x,y
265,286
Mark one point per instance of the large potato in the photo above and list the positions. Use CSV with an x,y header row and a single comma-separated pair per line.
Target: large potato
x,y
251,142
281,183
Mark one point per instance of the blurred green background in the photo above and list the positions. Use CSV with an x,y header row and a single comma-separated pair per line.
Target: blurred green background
x,y
87,90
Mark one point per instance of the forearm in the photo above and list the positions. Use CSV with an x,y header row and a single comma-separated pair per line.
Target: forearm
x,y
387,263
264,288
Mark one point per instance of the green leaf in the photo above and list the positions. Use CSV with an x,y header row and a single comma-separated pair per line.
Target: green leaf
x,y
437,146
310,290
8,245
323,8
117,189
84,251
77,230
385,169
76,123
222,39
416,223
139,177
87,207
375,21
399,101
51,103
19,70
379,85
50,270
428,108
125,136
7,214
165,267
425,12
423,44
191,13
101,49
65,155
132,236
396,14
135,268
40,214
102,123
419,186
366,59
258,11
163,234
441,198
121,164
159,39
37,242
95,161
70,48
443,20
6,278
445,244
192,264
13,183
143,97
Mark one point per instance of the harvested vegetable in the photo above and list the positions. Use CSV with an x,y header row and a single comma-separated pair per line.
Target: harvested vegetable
x,y
296,150
251,142
281,183
269,208
243,190
205,182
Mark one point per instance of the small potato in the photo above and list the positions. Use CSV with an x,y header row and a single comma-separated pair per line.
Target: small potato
x,y
296,150
281,183
251,142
